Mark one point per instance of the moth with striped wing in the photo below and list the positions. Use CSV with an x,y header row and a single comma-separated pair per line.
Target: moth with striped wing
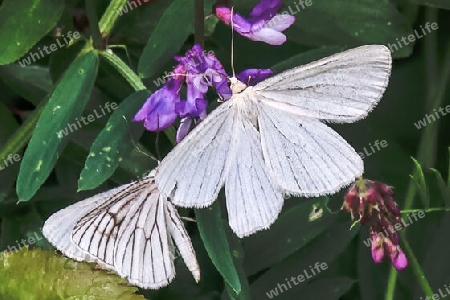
x,y
130,229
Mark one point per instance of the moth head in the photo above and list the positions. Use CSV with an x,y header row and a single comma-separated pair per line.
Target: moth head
x,y
236,85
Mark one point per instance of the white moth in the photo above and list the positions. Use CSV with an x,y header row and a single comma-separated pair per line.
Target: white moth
x,y
269,140
129,230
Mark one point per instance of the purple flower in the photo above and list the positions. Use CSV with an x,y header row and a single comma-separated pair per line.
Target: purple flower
x,y
199,71
203,71
253,76
209,71
372,202
158,112
262,25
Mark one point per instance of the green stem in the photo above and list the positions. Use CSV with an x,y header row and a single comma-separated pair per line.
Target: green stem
x,y
391,284
110,16
420,275
133,79
407,211
22,135
91,9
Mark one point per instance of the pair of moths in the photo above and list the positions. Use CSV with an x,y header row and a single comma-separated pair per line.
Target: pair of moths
x,y
266,142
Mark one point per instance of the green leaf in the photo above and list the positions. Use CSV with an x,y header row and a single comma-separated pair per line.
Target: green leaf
x,y
136,26
212,232
21,136
19,226
113,143
419,179
23,23
50,135
448,171
165,41
372,22
39,274
438,247
291,231
332,288
60,60
238,258
445,190
329,289
433,3
7,173
33,83
323,249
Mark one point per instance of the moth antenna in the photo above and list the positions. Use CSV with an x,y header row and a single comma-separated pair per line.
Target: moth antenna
x,y
185,75
232,42
136,146
157,146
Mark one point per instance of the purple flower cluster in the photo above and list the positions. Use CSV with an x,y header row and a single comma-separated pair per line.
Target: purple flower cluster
x,y
199,71
263,24
372,202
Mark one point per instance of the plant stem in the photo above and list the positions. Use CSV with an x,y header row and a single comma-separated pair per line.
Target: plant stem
x,y
91,8
110,16
407,211
420,275
391,284
133,79
199,23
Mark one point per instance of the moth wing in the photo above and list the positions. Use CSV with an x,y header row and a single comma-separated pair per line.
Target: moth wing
x,y
182,240
343,87
253,201
59,226
193,173
96,232
304,155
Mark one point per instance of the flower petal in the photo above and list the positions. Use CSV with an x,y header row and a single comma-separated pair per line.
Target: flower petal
x,y
377,249
223,89
192,109
253,76
158,112
223,13
267,35
265,10
183,129
400,261
240,24
280,22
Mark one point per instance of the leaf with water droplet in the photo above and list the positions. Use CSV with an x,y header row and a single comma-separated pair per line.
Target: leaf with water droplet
x,y
50,135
